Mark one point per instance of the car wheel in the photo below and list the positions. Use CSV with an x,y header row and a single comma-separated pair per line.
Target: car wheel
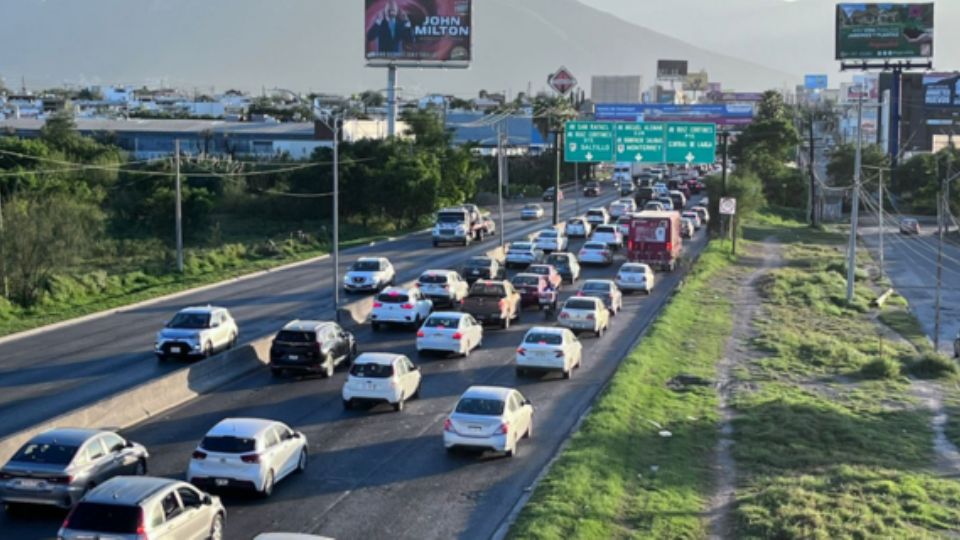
x,y
567,373
161,358
416,393
216,528
375,326
521,372
435,243
233,341
303,461
513,451
208,349
141,468
347,404
267,486
398,406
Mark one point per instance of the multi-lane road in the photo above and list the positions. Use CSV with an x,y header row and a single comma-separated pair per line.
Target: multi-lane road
x,y
377,473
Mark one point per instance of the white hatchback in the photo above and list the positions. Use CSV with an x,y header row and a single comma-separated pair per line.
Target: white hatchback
x,y
635,277
584,314
443,287
400,306
381,378
489,418
578,227
549,349
595,253
247,453
454,332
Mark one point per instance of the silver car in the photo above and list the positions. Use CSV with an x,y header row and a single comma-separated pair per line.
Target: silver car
x,y
57,467
138,507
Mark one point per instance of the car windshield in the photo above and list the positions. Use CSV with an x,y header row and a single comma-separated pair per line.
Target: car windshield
x,y
548,234
393,297
442,322
450,218
480,407
596,287
559,261
580,303
526,280
371,371
228,445
531,207
189,320
547,338
292,336
632,269
366,266
50,453
434,279
575,222
605,229
595,246
105,518
521,246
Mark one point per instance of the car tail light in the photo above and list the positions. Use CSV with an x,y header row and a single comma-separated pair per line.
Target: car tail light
x,y
521,351
378,304
669,246
250,458
142,527
504,428
406,306
590,316
60,479
420,333
448,425
394,382
605,253
458,336
199,455
620,277
564,315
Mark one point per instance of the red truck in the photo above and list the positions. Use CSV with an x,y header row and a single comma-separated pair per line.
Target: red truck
x,y
654,239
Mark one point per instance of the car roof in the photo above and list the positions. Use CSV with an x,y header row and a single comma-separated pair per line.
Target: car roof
x,y
371,259
127,489
448,314
438,273
395,291
304,326
67,436
384,359
634,264
603,281
487,392
247,428
547,330
200,309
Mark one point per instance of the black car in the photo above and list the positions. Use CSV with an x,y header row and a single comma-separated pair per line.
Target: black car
x,y
482,268
549,194
311,347
566,265
592,189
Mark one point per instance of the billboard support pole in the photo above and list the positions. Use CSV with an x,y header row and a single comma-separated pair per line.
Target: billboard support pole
x,y
391,101
895,90
556,183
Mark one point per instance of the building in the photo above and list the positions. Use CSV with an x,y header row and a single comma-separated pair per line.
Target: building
x,y
616,89
469,127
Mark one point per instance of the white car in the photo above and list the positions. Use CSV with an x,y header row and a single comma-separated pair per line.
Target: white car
x,y
381,378
677,193
692,216
635,277
654,206
549,349
623,225
703,213
584,313
595,253
605,290
622,207
249,453
523,254
489,418
551,240
195,332
443,287
598,216
687,228
531,211
369,274
400,306
667,203
609,235
451,331
579,227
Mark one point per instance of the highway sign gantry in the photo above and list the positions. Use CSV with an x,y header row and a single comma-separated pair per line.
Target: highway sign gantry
x,y
639,142
588,142
691,144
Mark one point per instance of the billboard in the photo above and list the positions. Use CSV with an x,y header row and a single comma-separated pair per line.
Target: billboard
x,y
815,82
417,32
697,81
941,90
671,69
883,31
865,87
722,115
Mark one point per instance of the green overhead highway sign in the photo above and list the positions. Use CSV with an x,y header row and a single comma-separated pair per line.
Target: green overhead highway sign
x,y
588,142
641,142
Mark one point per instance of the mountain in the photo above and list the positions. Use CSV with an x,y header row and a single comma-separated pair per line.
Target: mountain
x,y
317,45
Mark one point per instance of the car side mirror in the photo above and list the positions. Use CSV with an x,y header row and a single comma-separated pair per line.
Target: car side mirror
x,y
207,500
527,402
129,444
215,325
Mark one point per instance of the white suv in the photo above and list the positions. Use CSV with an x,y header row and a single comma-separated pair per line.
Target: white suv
x,y
369,274
196,332
443,287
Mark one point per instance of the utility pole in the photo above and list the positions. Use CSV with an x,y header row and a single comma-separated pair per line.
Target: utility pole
x,y
881,223
500,167
576,184
814,219
3,252
855,208
724,137
336,217
942,208
556,184
179,211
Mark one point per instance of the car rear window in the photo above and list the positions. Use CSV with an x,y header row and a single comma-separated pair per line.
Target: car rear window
x,y
105,518
445,322
433,278
548,234
580,303
54,454
539,269
596,287
605,229
291,336
487,289
481,407
594,212
544,337
559,261
393,297
478,263
526,280
521,246
595,246
371,371
632,269
229,445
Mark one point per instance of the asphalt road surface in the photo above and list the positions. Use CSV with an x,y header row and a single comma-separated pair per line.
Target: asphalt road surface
x,y
379,474
51,373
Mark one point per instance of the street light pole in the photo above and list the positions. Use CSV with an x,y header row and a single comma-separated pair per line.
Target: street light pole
x,y
556,184
336,217
855,209
501,162
178,212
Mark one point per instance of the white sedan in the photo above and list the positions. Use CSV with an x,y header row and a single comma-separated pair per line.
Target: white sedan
x,y
381,378
522,254
369,274
400,306
489,418
551,240
608,234
595,253
582,313
444,287
692,216
247,453
635,277
454,332
549,349
579,227
605,290
531,211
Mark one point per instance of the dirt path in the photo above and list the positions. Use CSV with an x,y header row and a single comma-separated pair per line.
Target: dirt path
x,y
947,455
746,301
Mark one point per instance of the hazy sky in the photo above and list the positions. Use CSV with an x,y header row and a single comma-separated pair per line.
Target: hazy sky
x,y
794,35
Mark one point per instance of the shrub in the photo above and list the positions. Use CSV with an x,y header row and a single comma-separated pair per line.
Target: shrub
x,y
881,368
932,366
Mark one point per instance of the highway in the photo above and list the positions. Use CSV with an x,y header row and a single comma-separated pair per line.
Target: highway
x,y
53,372
376,473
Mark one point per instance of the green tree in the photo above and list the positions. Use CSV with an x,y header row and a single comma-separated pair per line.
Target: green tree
x,y
840,168
427,129
765,148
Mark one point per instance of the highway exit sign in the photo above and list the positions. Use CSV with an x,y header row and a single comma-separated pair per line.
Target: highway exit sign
x,y
639,142
588,142
691,144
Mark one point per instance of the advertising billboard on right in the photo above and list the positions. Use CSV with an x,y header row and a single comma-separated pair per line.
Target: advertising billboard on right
x,y
884,31
941,89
